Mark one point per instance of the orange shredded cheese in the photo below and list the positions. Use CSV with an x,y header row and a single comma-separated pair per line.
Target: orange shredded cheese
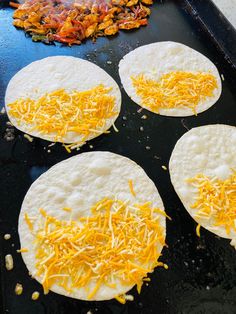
x,y
82,112
118,242
198,230
28,221
67,209
174,90
216,200
131,187
22,250
121,298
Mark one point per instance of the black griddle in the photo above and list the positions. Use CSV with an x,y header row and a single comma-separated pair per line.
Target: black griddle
x,y
202,272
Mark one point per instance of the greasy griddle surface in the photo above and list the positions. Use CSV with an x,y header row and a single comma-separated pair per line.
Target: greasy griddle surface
x,y
202,272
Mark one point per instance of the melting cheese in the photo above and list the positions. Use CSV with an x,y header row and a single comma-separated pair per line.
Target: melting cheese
x,y
174,90
216,200
82,112
118,242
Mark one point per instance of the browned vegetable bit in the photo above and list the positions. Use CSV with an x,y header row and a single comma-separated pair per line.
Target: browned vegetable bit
x,y
71,22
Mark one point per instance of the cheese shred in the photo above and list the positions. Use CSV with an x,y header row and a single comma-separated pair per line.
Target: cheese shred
x,y
216,200
131,187
198,230
58,113
117,243
178,89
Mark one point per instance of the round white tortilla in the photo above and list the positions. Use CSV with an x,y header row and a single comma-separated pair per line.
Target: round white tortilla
x,y
156,59
79,182
53,73
209,150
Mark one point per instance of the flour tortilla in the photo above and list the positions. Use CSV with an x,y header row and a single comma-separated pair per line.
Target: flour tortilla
x,y
156,59
209,150
79,182
52,73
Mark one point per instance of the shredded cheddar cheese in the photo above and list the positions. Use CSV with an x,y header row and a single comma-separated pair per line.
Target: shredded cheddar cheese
x,y
198,230
22,250
58,113
216,200
174,90
67,209
131,187
117,243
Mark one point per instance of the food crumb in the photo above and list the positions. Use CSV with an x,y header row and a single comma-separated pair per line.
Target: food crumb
x,y
129,297
91,146
115,128
89,312
9,262
141,128
165,266
49,150
109,62
164,167
18,289
140,110
52,144
124,118
148,147
9,135
29,138
35,295
3,110
144,117
8,123
222,77
7,236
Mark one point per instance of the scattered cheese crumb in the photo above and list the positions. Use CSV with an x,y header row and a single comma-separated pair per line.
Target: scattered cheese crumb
x,y
115,128
129,297
18,289
35,295
52,144
3,110
67,209
29,138
22,250
144,117
131,187
9,262
7,236
164,167
222,77
198,230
